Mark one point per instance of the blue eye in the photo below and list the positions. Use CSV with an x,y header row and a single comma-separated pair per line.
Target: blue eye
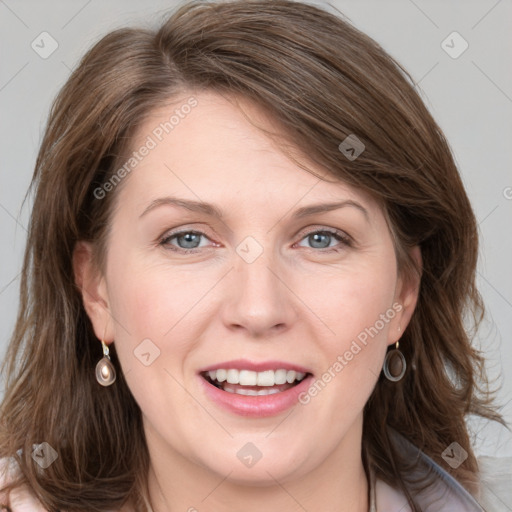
x,y
188,241
319,238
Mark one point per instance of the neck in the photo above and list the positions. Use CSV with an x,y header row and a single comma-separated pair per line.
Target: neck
x,y
337,484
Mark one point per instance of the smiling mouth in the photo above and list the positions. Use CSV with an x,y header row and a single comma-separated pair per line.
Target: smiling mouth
x,y
251,383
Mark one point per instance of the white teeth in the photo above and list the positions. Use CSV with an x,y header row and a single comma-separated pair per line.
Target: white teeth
x,y
267,378
247,378
280,376
290,376
232,376
251,392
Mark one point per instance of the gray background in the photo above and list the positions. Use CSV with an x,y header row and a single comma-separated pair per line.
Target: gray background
x,y
470,95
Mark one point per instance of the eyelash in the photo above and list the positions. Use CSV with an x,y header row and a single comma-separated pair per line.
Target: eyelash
x,y
338,235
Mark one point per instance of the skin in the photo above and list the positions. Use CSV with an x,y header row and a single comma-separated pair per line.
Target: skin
x,y
295,302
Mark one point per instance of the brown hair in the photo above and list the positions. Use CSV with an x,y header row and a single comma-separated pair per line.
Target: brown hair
x,y
323,80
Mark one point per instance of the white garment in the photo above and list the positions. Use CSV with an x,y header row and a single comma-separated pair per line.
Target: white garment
x,y
496,491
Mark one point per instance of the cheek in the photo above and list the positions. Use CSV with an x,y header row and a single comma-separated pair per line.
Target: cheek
x,y
153,307
357,307
358,311
149,298
353,301
159,303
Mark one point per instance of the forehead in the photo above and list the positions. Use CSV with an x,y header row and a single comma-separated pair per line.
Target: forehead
x,y
218,148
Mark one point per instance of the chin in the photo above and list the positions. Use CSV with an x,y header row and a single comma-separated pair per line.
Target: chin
x,y
259,473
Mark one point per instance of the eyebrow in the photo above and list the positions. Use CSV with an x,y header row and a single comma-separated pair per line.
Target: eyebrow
x,y
214,211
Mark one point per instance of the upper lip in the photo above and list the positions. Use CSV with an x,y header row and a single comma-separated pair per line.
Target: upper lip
x,y
256,366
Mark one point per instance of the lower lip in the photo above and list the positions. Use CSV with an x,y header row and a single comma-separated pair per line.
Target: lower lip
x,y
256,406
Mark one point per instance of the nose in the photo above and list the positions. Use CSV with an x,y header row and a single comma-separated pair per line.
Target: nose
x,y
259,300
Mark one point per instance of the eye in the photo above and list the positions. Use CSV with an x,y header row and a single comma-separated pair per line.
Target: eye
x,y
321,239
188,241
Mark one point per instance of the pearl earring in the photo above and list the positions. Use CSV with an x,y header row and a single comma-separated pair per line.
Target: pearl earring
x,y
105,371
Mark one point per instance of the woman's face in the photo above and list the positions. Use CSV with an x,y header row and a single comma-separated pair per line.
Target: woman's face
x,y
275,286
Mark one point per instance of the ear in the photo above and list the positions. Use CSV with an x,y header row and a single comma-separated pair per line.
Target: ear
x,y
94,291
406,296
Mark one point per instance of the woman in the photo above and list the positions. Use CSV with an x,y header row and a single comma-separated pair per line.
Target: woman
x,y
248,263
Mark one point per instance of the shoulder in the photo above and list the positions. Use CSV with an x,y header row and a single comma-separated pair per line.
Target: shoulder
x,y
19,499
495,480
389,499
443,491
437,497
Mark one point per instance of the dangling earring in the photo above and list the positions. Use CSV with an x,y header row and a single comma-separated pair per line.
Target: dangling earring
x,y
394,365
105,371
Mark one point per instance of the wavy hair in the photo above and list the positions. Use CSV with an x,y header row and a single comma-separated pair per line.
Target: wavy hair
x,y
323,80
